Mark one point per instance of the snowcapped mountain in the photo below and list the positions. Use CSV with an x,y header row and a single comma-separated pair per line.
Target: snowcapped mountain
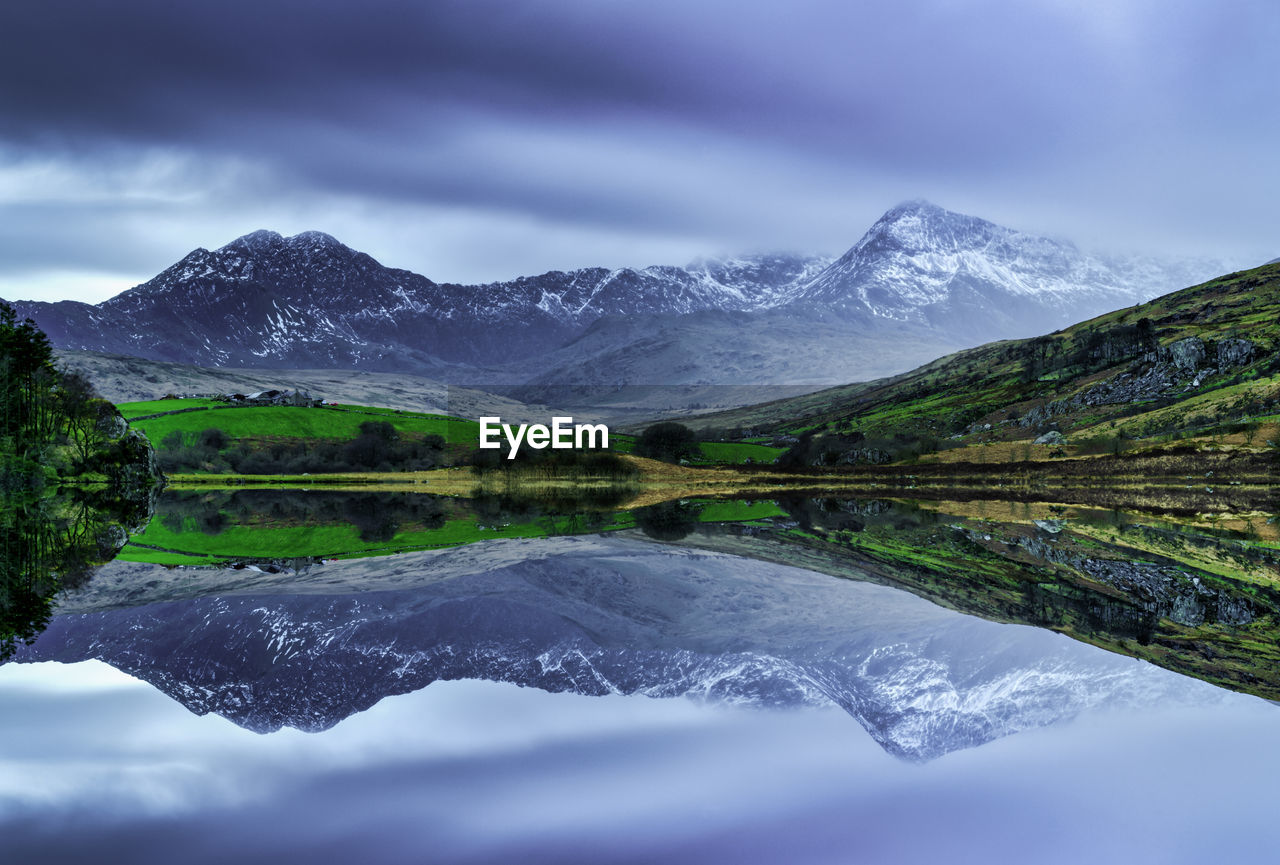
x,y
606,615
924,264
309,301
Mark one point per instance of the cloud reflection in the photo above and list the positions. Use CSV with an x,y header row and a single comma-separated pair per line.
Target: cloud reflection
x,y
479,772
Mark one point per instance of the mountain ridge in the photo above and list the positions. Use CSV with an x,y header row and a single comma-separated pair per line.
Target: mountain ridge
x,y
309,301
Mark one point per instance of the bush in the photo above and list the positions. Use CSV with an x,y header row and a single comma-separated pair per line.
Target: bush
x,y
668,441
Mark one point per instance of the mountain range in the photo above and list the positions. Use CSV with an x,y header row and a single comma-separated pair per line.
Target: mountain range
x,y
921,281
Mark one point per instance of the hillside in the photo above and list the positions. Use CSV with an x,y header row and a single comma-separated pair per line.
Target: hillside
x,y
1191,360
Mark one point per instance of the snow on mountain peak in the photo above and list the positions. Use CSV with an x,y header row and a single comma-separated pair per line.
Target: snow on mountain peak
x,y
264,242
255,241
920,262
921,227
314,239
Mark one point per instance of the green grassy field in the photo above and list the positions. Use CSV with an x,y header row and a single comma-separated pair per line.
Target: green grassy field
x,y
342,422
725,453
329,422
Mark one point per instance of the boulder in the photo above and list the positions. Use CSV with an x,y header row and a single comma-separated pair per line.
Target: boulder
x,y
1235,352
1187,354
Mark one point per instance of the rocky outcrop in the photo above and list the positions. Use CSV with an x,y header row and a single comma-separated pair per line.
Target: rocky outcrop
x,y
1235,352
1157,381
1170,369
856,456
1186,355
1041,415
1171,593
1160,590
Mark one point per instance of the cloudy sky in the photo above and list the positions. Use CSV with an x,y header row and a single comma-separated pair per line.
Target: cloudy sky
x,y
476,140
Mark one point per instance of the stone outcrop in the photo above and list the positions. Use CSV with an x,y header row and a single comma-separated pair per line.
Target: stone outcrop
x,y
857,456
1172,368
1161,590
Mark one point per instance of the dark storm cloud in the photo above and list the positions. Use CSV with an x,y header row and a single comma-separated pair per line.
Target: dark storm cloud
x,y
747,124
920,80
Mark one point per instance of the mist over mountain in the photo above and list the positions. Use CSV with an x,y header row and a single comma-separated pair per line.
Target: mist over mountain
x,y
920,282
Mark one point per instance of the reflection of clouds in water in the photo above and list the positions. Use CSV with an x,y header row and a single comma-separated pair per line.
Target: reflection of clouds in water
x,y
51,677
74,732
470,771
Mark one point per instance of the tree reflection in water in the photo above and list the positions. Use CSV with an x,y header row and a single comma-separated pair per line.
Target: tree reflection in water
x,y
50,544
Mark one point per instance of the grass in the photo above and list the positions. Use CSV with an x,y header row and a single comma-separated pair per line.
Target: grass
x,y
739,511
256,422
329,540
342,422
730,453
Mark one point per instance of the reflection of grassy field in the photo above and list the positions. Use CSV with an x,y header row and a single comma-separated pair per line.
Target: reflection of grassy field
x,y
132,553
267,534
736,511
264,540
324,540
160,544
1226,545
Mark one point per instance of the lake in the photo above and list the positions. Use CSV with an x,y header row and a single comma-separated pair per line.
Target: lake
x,y
389,678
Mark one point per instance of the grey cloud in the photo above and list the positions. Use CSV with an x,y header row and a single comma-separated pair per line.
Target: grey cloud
x,y
661,118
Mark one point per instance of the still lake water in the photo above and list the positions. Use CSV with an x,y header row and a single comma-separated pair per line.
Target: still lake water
x,y
625,697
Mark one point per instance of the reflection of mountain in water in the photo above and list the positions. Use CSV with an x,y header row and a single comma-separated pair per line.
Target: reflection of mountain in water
x,y
607,615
